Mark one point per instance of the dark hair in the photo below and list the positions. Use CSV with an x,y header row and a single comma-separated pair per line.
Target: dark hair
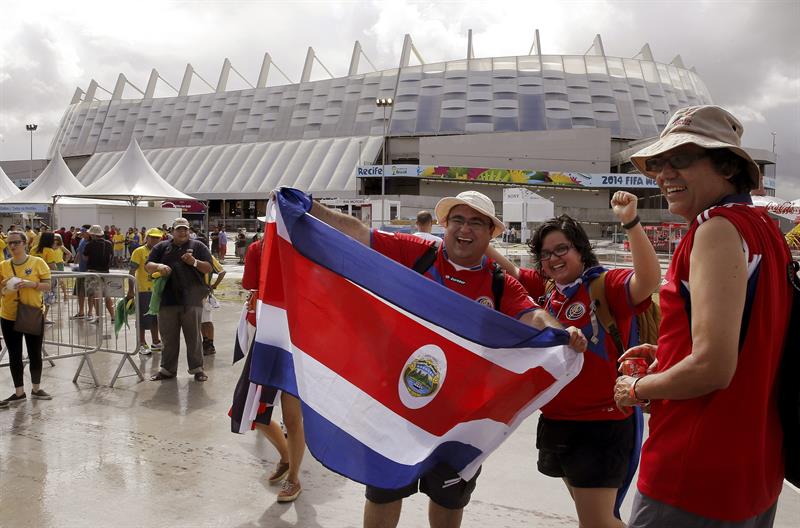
x,y
46,240
733,167
574,233
424,218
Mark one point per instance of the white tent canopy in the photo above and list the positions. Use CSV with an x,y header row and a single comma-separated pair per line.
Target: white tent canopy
x,y
55,180
7,187
132,179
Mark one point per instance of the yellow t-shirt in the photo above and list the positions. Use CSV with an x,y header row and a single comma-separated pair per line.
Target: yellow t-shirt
x,y
59,255
216,267
33,269
119,241
33,238
3,246
138,260
47,254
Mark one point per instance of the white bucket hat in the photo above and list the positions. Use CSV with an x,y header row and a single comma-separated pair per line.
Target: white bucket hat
x,y
96,230
478,201
709,127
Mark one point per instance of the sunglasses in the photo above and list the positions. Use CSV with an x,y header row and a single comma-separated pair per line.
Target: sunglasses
x,y
559,251
459,221
676,161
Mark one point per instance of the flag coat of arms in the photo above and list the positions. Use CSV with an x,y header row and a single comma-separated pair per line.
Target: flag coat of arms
x,y
395,372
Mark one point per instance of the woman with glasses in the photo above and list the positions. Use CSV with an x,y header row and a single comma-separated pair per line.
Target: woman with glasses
x,y
583,437
23,279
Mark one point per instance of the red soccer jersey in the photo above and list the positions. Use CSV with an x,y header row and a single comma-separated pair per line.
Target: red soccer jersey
x,y
720,455
590,396
474,283
252,274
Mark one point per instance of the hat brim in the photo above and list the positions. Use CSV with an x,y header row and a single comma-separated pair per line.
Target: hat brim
x,y
671,141
444,206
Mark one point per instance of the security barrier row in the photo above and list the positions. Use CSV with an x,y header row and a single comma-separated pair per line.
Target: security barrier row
x,y
70,331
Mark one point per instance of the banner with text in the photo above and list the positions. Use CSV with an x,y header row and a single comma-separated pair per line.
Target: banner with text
x,y
512,176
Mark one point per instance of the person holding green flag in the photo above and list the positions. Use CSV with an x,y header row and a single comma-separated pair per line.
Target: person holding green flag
x,y
145,284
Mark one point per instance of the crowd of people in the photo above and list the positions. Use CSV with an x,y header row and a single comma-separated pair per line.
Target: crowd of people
x,y
713,457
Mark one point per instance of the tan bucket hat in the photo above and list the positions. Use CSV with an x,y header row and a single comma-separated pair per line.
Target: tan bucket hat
x,y
96,230
709,127
478,201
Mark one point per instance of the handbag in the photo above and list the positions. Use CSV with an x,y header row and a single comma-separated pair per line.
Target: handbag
x,y
30,319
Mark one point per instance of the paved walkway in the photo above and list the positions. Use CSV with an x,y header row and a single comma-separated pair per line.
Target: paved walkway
x,y
151,454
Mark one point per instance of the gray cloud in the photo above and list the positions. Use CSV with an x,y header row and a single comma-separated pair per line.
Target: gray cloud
x,y
748,52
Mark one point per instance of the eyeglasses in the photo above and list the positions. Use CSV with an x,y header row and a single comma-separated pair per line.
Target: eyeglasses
x,y
559,251
14,242
459,221
676,161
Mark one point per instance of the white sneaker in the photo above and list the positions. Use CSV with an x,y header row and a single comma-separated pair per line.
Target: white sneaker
x,y
144,350
156,347
93,319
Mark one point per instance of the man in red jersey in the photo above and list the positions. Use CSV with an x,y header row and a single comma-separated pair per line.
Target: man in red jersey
x,y
460,265
714,455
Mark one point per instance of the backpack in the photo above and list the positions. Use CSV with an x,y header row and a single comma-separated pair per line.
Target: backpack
x,y
644,327
427,259
788,385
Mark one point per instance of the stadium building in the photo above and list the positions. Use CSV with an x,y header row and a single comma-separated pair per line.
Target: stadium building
x,y
562,126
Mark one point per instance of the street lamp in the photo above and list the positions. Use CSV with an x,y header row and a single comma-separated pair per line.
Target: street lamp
x,y
773,141
31,128
384,103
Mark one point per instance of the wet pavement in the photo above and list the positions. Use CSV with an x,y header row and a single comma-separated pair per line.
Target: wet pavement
x,y
149,454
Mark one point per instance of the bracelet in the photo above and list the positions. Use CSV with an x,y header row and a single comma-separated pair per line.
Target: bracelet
x,y
632,393
633,223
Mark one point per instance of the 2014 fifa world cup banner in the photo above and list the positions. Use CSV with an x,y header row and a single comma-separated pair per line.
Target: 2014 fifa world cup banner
x,y
511,176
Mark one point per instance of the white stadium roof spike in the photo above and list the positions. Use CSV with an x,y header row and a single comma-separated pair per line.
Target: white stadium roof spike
x,y
311,56
150,91
597,47
119,88
227,67
535,45
358,51
645,53
678,61
77,96
264,74
187,80
470,51
408,48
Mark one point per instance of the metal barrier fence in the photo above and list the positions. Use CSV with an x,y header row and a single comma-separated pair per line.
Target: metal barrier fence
x,y
71,332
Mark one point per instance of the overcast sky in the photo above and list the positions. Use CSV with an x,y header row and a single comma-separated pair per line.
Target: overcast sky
x,y
747,52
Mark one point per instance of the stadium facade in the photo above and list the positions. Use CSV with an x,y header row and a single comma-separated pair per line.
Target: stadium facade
x,y
535,114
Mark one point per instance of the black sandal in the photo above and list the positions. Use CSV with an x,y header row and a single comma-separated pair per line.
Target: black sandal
x,y
200,376
160,376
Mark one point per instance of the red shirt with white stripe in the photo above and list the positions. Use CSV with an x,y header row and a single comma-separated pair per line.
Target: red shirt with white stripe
x,y
720,455
474,283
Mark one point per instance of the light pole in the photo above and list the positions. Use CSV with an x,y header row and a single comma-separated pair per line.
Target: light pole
x,y
773,141
384,103
31,128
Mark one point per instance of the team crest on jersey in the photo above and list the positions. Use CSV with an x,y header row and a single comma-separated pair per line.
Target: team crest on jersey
x,y
486,301
28,271
575,311
422,376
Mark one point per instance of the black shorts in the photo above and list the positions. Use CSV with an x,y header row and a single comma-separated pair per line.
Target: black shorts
x,y
146,321
587,454
436,484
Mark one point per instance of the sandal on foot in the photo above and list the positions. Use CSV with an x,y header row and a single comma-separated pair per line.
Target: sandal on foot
x,y
158,376
200,376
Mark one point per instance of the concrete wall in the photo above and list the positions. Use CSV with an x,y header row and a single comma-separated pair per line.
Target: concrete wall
x,y
579,150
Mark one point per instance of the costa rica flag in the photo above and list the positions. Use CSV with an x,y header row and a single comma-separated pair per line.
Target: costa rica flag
x,y
395,372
